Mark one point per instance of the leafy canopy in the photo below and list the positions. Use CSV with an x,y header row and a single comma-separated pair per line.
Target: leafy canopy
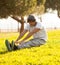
x,y
16,7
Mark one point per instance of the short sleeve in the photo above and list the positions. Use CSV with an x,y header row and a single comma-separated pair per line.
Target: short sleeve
x,y
26,26
39,25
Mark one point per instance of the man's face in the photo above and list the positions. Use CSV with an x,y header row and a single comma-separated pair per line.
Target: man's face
x,y
32,23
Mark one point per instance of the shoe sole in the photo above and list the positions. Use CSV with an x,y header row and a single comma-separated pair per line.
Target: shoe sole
x,y
8,45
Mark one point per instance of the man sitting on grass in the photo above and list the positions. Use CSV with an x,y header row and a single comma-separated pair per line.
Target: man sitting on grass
x,y
34,28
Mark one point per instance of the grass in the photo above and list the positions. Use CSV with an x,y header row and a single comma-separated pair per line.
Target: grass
x,y
48,54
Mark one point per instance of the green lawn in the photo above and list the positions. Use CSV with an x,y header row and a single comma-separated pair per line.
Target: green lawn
x,y
48,54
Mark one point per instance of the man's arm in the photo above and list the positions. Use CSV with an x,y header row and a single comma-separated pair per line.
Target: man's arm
x,y
31,33
21,35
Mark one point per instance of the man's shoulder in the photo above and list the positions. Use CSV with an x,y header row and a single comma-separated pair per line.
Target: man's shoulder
x,y
39,23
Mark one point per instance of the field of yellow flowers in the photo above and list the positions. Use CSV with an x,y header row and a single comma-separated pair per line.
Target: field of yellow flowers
x,y
48,54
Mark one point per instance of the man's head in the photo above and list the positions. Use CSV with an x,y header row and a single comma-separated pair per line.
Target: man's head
x,y
31,20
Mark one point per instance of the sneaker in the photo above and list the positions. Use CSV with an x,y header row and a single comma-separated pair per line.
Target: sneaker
x,y
12,45
8,45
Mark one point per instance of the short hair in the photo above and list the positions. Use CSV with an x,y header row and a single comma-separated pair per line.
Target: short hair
x,y
31,18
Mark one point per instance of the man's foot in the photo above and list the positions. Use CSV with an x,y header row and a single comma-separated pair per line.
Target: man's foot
x,y
14,47
8,45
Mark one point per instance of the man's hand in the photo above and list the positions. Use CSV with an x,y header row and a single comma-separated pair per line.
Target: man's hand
x,y
19,42
16,42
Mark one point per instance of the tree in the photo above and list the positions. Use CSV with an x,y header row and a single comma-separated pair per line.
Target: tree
x,y
16,7
53,4
49,4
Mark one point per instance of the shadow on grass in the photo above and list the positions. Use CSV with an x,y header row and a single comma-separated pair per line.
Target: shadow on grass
x,y
3,52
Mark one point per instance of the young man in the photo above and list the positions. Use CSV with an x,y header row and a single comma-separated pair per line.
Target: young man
x,y
35,29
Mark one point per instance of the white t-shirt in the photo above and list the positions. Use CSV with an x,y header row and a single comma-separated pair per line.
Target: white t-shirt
x,y
40,34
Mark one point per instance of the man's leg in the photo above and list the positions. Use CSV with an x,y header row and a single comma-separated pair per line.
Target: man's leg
x,y
31,43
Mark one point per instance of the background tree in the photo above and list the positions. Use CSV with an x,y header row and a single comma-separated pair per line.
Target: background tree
x,y
53,4
43,5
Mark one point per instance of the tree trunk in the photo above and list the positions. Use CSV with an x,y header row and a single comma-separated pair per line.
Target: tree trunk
x,y
22,24
59,13
19,21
